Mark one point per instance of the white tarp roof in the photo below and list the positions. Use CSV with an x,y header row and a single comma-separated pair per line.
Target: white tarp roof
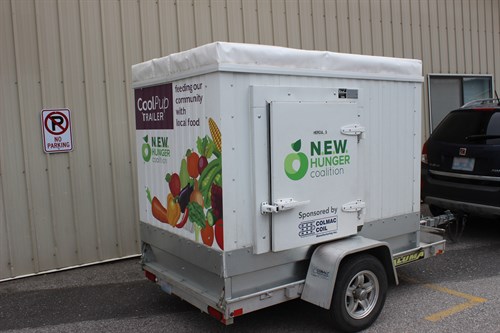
x,y
252,58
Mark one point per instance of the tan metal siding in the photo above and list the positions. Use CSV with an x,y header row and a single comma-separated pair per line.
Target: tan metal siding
x,y
98,127
397,31
332,34
74,98
40,232
376,28
495,13
467,36
250,22
481,32
279,22
120,148
292,24
306,25
319,25
57,171
387,29
265,22
406,25
75,208
442,36
354,27
17,250
473,8
343,26
450,21
219,20
365,26
202,22
234,21
459,38
488,32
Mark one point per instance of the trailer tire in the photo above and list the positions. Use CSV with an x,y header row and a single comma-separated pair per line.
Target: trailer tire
x,y
359,294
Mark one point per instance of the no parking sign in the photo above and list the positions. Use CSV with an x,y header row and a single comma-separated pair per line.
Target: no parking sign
x,y
56,128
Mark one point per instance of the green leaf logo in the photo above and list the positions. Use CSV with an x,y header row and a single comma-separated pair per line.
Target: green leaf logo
x,y
297,145
296,164
146,149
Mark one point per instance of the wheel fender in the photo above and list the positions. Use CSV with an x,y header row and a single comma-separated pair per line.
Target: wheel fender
x,y
326,260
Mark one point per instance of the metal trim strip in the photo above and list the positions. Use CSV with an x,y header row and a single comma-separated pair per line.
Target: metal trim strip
x,y
464,176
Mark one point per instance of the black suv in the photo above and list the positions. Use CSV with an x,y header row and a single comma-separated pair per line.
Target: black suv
x,y
461,161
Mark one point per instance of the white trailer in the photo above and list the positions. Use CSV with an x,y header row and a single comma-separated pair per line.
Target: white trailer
x,y
268,174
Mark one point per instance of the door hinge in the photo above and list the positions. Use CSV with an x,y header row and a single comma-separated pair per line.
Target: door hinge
x,y
353,206
281,205
353,129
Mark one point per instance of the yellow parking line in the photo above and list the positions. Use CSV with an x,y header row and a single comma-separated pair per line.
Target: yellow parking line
x,y
471,300
451,311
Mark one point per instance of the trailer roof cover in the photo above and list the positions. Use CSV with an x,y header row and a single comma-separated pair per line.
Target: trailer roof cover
x,y
265,59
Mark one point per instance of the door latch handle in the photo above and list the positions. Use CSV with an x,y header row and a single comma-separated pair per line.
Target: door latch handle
x,y
281,205
354,206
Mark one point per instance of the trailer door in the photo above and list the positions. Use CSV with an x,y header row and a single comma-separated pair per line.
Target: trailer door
x,y
315,195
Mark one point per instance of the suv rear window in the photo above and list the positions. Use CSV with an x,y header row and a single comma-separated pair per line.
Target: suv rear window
x,y
470,127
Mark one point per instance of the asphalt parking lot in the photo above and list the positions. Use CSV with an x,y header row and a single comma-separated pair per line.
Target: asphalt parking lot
x,y
456,292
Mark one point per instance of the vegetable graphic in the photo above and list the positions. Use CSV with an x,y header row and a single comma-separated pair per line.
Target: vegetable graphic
x,y
196,195
196,190
219,233
183,175
174,183
207,178
205,146
182,223
202,164
208,174
207,235
185,196
159,212
215,132
216,201
173,210
192,164
196,214
210,217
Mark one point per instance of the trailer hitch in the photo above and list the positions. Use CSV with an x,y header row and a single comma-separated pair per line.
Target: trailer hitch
x,y
453,224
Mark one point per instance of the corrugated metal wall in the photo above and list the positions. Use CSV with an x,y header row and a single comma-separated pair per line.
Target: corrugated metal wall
x,y
75,208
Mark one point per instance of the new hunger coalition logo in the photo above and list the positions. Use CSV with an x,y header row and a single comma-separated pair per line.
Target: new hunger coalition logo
x,y
327,158
292,159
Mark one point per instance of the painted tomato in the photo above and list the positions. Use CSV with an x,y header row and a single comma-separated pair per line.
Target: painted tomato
x,y
192,164
175,184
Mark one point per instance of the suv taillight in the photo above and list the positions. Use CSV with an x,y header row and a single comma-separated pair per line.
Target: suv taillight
x,y
424,154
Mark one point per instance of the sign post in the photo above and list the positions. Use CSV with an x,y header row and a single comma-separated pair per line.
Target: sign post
x,y
56,129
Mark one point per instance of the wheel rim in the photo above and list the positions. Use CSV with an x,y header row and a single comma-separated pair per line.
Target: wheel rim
x,y
362,294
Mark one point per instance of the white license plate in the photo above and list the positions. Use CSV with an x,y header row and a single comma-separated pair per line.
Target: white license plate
x,y
463,163
165,286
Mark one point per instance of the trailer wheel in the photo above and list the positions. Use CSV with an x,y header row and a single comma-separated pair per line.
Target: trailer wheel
x,y
359,294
